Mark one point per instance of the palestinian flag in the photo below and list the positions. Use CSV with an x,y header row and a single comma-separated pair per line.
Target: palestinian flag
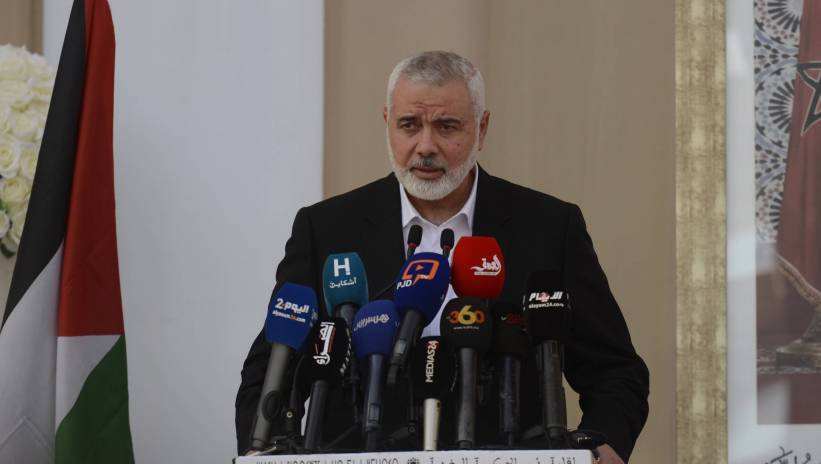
x,y
799,231
63,382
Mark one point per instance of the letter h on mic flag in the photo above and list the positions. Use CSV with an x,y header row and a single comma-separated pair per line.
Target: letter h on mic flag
x,y
63,381
799,233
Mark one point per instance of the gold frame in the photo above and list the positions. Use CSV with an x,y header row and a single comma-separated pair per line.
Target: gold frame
x,y
701,283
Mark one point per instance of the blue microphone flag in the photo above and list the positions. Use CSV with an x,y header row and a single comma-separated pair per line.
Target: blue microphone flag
x,y
374,327
291,315
344,281
422,284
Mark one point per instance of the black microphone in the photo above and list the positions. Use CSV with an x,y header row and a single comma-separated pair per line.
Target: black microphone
x,y
466,327
433,375
327,358
414,239
510,344
547,315
446,242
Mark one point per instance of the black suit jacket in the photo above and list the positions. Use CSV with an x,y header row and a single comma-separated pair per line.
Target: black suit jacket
x,y
536,232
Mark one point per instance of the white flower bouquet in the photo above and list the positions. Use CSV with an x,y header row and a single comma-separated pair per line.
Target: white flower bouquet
x,y
26,82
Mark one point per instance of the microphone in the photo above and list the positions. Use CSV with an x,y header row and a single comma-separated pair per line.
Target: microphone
x,y
510,344
291,315
446,242
433,373
420,289
478,268
344,285
466,327
374,327
414,239
547,315
345,288
327,359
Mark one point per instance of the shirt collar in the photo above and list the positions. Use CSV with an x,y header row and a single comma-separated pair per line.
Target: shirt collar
x,y
409,213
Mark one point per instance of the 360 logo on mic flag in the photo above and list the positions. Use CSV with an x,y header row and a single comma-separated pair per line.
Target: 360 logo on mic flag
x,y
416,270
467,316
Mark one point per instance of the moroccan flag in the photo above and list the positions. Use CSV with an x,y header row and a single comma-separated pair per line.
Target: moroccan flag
x,y
799,232
63,382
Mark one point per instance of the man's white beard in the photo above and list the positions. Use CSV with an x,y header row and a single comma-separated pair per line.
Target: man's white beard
x,y
432,189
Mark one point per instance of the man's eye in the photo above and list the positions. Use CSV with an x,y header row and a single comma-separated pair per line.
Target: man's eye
x,y
448,127
407,124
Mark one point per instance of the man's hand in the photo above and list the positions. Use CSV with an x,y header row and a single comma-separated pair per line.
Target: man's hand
x,y
608,456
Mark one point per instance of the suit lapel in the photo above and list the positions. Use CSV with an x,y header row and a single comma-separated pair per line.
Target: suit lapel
x,y
493,218
492,210
383,245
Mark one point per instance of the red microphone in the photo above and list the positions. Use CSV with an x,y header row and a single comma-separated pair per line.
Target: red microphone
x,y
478,269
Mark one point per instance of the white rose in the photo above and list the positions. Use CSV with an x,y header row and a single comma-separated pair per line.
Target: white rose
x,y
41,89
28,161
5,115
38,66
5,223
13,64
24,126
15,93
18,221
10,152
14,191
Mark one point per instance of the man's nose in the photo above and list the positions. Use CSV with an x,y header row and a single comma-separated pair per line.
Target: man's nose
x,y
427,144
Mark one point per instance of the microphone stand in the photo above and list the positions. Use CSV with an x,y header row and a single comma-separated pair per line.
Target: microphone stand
x,y
554,408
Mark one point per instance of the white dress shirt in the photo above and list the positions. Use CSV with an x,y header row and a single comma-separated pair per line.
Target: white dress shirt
x,y
461,224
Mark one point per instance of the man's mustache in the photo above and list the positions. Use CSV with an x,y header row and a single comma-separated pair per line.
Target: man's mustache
x,y
429,162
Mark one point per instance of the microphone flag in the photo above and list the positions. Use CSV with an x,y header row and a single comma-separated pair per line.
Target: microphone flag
x,y
344,281
422,284
292,313
478,268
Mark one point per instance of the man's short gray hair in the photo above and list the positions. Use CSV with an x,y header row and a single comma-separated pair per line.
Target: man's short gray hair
x,y
438,67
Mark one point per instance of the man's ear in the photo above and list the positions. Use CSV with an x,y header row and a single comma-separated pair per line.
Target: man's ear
x,y
483,124
385,114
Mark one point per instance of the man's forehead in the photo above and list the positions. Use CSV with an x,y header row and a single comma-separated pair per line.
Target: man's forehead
x,y
412,96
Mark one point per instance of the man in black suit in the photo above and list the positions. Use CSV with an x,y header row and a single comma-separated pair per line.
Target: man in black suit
x,y
436,126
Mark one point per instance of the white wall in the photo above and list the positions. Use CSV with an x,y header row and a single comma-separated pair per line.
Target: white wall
x,y
218,141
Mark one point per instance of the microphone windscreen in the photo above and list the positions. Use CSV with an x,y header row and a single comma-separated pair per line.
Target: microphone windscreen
x,y
465,323
446,239
546,307
433,368
415,235
509,331
329,351
478,268
422,285
344,281
291,315
374,327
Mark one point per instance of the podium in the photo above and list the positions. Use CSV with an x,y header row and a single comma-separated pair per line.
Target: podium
x,y
430,457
